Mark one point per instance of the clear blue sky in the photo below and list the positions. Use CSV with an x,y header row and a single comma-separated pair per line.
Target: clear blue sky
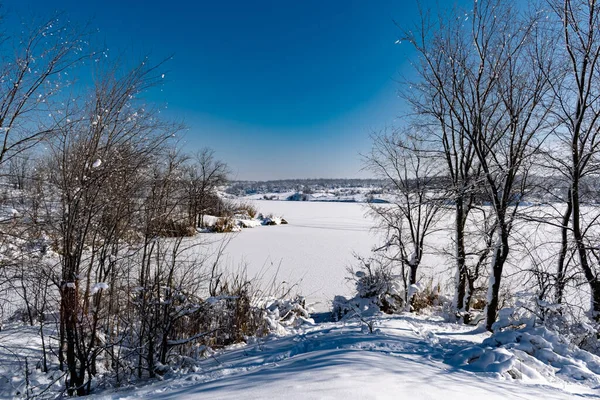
x,y
279,89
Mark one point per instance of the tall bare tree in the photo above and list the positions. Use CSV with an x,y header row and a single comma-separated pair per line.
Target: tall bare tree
x,y
490,91
578,112
98,157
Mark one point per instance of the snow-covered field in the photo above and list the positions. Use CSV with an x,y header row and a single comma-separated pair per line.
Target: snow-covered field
x,y
406,356
313,251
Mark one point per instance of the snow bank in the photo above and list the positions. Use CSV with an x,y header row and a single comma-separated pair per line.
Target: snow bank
x,y
210,220
248,223
237,223
531,353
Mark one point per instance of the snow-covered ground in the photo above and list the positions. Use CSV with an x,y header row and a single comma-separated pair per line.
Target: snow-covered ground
x,y
313,251
406,357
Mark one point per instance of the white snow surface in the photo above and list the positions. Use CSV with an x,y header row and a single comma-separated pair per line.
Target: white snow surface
x,y
313,251
406,357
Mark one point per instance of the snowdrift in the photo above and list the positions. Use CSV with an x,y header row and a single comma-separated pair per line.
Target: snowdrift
x,y
536,354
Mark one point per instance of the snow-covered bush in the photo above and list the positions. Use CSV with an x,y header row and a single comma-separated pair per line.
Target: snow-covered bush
x,y
281,314
248,223
298,197
530,353
513,318
272,220
246,211
377,289
529,311
536,340
225,225
579,329
237,310
426,295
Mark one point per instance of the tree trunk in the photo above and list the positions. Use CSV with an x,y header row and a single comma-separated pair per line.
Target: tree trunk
x,y
468,296
412,280
461,273
497,265
75,381
591,278
561,268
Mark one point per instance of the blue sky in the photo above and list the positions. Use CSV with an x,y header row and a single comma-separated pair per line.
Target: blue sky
x,y
279,89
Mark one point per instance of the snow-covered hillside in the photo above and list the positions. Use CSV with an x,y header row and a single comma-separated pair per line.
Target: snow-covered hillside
x,y
405,357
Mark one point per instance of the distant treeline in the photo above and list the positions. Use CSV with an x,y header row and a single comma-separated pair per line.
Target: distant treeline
x,y
299,185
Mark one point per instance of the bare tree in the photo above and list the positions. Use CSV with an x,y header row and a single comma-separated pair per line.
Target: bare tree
x,y
19,170
434,107
203,176
33,70
578,112
491,88
412,175
98,159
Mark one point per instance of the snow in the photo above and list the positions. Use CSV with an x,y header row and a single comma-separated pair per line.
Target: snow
x,y
535,354
21,347
313,251
419,357
209,220
406,354
99,286
97,163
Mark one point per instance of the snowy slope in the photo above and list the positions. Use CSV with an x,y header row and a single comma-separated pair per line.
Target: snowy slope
x,y
406,357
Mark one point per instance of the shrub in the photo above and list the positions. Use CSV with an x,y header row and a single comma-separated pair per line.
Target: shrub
x,y
478,303
377,289
298,197
215,205
247,209
170,228
236,312
225,225
427,296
